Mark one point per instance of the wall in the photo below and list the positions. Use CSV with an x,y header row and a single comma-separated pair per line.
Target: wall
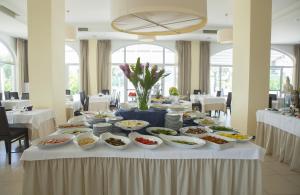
x,y
10,42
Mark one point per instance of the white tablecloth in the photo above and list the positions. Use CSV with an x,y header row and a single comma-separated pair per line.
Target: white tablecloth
x,y
10,104
285,123
279,103
34,117
75,104
209,102
99,103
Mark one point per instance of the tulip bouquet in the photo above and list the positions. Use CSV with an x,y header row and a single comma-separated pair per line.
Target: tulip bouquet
x,y
143,78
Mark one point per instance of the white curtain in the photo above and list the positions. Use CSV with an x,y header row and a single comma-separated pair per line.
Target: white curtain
x,y
84,63
297,67
22,63
204,66
103,64
184,66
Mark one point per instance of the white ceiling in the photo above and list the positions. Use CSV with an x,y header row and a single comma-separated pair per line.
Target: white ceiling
x,y
95,15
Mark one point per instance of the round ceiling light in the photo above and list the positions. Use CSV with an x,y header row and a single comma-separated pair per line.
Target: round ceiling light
x,y
158,17
70,33
225,35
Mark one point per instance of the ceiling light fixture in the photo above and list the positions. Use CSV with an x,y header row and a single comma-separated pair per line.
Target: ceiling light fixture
x,y
225,36
70,33
158,17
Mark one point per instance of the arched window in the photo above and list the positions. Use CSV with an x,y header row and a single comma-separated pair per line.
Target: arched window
x,y
281,66
154,54
7,69
72,69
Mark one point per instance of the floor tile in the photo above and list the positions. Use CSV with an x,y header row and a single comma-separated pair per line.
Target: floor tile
x,y
277,184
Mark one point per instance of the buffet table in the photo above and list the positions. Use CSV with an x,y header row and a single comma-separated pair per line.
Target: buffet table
x,y
280,135
209,102
11,104
68,170
40,122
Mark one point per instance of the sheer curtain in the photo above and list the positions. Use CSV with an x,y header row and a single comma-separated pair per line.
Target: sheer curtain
x,y
22,63
184,66
204,66
103,64
297,67
84,63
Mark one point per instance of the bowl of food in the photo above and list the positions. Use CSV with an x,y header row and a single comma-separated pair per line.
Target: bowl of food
x,y
115,141
86,140
145,141
74,131
218,128
53,140
196,131
236,136
183,141
206,121
70,126
132,125
161,130
218,142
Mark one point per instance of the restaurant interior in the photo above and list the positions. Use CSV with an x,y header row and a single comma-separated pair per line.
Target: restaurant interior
x,y
161,97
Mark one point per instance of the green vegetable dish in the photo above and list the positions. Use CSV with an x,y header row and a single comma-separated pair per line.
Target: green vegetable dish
x,y
163,131
184,142
221,128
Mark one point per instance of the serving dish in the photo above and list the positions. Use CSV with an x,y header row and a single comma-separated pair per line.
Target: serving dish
x,y
74,131
190,115
219,146
196,131
131,125
153,142
183,141
236,136
108,137
71,126
53,140
86,140
161,130
206,121
219,128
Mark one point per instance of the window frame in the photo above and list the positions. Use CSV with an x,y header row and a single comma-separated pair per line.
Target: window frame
x,y
67,67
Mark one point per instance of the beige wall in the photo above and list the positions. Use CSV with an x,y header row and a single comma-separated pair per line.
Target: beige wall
x,y
195,65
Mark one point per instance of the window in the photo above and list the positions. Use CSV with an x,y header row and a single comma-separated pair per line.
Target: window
x,y
72,69
281,66
7,69
154,54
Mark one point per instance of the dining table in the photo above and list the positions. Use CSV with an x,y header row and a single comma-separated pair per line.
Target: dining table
x,y
72,104
15,104
167,170
99,102
40,122
280,136
209,102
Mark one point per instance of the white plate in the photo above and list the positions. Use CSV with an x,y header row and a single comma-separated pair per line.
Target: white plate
x,y
132,125
213,130
184,129
86,135
134,135
221,146
38,143
237,140
126,140
150,129
73,130
200,122
169,140
195,114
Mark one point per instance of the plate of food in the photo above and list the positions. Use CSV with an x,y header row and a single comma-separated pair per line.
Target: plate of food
x,y
190,115
145,141
236,136
217,128
218,142
74,131
197,131
161,130
206,121
183,141
131,125
115,141
69,125
86,140
53,140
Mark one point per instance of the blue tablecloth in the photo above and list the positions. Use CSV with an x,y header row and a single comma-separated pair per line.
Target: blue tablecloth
x,y
155,117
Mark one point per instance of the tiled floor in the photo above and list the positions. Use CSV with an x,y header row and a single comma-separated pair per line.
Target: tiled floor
x,y
277,178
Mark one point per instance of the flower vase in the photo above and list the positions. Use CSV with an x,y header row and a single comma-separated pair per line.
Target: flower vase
x,y
143,99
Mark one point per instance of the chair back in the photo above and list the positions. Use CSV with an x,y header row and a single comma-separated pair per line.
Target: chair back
x,y
68,92
86,103
82,97
218,93
197,91
15,95
105,91
7,95
0,96
25,96
229,98
4,127
271,98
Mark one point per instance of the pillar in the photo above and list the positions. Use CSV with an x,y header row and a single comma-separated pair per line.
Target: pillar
x,y
251,61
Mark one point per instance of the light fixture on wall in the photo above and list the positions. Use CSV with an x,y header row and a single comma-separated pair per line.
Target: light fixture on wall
x,y
146,38
225,35
70,33
158,17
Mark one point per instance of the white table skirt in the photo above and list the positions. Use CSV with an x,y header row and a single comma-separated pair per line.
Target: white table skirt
x,y
285,123
10,104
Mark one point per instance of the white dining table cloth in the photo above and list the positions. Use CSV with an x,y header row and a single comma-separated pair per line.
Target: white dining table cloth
x,y
99,103
10,104
283,122
209,102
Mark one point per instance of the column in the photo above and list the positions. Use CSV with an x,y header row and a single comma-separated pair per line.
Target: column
x,y
93,67
46,35
251,61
